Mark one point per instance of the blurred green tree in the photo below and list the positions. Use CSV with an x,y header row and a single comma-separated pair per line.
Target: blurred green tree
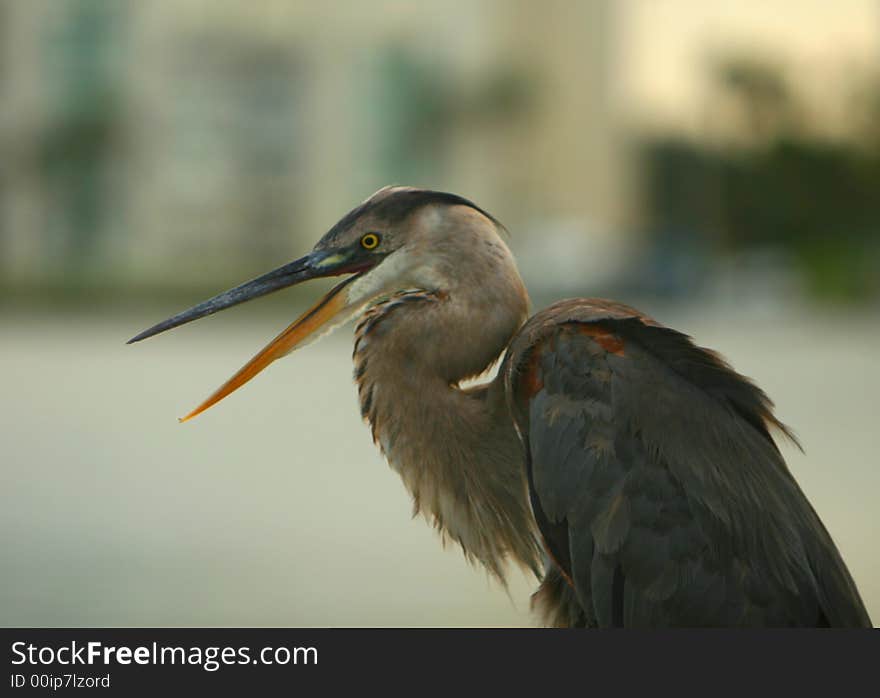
x,y
774,184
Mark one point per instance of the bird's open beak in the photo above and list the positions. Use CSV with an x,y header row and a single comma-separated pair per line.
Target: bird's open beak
x,y
333,306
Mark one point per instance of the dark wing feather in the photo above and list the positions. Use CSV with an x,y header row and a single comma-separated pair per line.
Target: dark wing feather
x,y
659,491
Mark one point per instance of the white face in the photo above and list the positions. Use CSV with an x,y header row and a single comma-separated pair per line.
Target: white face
x,y
400,271
383,280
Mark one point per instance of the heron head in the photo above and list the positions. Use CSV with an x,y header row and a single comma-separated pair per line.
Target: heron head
x,y
401,238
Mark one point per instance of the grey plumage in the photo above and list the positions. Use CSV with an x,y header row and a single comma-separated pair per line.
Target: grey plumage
x,y
657,485
631,470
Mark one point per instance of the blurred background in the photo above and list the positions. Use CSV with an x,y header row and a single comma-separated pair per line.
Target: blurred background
x,y
716,164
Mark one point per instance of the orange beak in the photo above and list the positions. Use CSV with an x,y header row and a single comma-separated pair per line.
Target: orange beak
x,y
303,328
332,306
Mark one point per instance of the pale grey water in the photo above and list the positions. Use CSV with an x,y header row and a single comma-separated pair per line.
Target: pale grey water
x,y
274,508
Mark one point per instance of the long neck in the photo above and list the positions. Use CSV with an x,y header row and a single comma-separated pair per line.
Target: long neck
x,y
455,449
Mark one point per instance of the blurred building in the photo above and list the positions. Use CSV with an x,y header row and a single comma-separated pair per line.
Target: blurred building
x,y
149,137
140,139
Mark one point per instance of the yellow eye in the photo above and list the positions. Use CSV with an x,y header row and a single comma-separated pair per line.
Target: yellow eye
x,y
370,241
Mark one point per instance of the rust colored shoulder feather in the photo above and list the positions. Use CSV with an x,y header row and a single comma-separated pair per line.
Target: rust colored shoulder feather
x,y
613,324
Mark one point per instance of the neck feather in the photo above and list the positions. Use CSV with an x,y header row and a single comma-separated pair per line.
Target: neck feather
x,y
456,450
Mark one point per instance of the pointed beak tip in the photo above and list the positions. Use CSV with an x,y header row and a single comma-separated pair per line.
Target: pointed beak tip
x,y
333,304
290,274
141,336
